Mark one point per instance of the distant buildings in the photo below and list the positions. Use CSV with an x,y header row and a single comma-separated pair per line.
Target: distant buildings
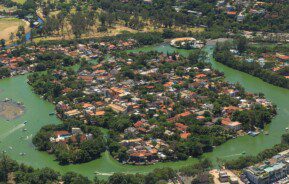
x,y
186,42
274,170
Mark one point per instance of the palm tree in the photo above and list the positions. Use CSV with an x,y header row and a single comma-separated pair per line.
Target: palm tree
x,y
2,42
11,37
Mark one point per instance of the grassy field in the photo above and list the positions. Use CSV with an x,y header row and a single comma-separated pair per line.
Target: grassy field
x,y
3,8
19,1
117,28
8,25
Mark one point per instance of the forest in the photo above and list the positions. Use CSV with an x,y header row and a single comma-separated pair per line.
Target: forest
x,y
11,171
77,148
223,55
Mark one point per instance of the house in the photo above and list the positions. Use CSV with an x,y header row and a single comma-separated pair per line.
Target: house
x,y
61,133
240,17
181,127
72,113
231,13
227,123
282,57
185,135
86,79
223,177
273,170
230,109
117,108
131,132
76,130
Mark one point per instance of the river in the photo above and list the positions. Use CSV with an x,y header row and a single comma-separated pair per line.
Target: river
x,y
15,141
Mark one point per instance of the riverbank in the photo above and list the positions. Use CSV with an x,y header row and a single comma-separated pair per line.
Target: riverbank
x,y
273,70
37,114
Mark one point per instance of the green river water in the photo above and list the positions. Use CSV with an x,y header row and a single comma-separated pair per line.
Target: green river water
x,y
37,115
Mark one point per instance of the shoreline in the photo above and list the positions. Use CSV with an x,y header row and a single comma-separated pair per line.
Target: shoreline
x,y
106,164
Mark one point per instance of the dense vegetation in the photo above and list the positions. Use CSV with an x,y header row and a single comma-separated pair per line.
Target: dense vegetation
x,y
223,55
141,38
82,16
12,172
202,139
77,151
246,161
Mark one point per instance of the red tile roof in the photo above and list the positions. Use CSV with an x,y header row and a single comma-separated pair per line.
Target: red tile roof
x,y
181,126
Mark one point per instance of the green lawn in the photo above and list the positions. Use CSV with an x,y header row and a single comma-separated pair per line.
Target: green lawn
x,y
19,1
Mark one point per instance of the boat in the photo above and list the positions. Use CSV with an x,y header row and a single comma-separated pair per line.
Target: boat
x,y
51,114
243,153
6,100
286,128
22,154
24,129
25,122
266,133
253,133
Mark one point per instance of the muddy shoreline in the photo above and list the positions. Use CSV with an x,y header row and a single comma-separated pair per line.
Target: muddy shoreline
x,y
11,110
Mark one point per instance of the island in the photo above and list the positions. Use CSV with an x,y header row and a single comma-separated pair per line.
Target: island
x,y
129,83
72,142
157,107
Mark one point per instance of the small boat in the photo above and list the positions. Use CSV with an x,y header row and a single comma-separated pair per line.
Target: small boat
x,y
266,133
25,122
51,114
24,129
22,154
243,153
10,147
286,128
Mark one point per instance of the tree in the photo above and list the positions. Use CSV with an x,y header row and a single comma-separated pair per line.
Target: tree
x,y
73,178
6,166
32,34
160,174
103,17
4,72
168,33
3,42
285,139
20,32
242,44
79,24
119,178
11,37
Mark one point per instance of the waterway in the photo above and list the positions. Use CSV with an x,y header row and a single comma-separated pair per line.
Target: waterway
x,y
15,141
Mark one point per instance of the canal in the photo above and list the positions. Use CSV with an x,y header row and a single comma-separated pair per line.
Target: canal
x,y
15,141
